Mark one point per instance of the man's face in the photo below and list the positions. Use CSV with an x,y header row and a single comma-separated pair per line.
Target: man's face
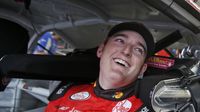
x,y
121,59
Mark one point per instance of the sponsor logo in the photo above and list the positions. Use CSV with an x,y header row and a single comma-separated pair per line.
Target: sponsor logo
x,y
122,106
74,110
144,109
95,84
158,62
60,91
118,95
80,96
63,108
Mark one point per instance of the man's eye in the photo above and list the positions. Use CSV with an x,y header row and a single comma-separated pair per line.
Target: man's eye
x,y
119,40
139,51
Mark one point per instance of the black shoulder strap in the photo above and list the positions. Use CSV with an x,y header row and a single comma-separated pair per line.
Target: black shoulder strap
x,y
60,90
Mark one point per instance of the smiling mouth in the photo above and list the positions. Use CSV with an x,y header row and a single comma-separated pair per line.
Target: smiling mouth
x,y
121,62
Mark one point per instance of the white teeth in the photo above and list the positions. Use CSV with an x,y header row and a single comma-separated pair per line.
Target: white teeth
x,y
122,62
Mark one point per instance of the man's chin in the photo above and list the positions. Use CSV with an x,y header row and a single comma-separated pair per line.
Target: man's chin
x,y
117,77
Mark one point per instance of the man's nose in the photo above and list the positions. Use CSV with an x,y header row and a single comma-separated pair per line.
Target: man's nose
x,y
127,50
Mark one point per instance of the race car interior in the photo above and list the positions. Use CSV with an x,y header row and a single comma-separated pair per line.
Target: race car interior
x,y
172,82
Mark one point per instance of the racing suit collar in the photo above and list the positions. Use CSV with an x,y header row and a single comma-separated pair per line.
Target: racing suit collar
x,y
115,94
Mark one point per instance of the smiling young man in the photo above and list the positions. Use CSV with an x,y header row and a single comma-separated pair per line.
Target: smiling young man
x,y
122,61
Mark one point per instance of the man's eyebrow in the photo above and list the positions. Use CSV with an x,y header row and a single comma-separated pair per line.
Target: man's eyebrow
x,y
120,34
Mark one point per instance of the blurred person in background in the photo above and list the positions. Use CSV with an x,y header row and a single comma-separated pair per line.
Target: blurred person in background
x,y
47,44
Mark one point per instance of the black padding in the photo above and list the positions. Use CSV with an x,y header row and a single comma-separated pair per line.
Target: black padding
x,y
79,67
168,40
13,38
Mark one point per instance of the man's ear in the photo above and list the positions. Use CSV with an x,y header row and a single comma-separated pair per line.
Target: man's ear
x,y
143,69
100,50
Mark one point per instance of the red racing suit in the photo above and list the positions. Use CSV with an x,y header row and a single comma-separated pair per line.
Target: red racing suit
x,y
83,98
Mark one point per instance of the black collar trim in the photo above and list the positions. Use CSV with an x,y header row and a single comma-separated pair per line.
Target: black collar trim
x,y
115,94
